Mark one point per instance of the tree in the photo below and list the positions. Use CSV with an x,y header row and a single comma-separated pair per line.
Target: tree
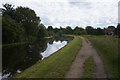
x,y
20,24
111,26
29,19
69,30
89,30
42,31
56,30
8,9
26,16
50,31
79,31
11,30
50,28
98,31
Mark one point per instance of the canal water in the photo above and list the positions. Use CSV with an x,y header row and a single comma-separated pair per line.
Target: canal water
x,y
17,58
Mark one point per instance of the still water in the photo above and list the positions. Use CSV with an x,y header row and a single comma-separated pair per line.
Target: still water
x,y
17,58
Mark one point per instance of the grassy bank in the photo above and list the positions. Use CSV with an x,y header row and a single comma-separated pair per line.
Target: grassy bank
x,y
56,65
89,68
107,48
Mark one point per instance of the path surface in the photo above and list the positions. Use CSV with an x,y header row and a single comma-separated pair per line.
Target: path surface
x,y
77,69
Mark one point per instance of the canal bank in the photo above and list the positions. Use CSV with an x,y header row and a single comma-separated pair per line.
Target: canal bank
x,y
18,57
56,65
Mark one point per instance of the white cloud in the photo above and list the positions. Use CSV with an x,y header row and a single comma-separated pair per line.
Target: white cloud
x,y
73,12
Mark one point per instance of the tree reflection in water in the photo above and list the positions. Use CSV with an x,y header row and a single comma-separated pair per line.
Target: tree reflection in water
x,y
17,58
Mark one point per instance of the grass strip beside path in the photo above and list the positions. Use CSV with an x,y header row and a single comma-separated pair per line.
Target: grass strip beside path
x,y
107,48
56,65
89,68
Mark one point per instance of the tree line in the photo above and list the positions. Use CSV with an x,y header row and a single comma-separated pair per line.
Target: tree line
x,y
22,24
89,30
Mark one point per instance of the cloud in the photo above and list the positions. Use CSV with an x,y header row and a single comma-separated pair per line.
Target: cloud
x,y
73,12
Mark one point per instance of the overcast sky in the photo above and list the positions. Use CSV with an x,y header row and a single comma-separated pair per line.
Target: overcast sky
x,y
82,13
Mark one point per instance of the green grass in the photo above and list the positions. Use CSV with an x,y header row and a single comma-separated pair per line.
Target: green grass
x,y
56,65
89,68
107,48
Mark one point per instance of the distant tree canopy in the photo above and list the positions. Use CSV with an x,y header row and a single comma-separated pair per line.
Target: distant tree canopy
x,y
50,28
89,30
79,31
68,30
111,26
92,31
99,31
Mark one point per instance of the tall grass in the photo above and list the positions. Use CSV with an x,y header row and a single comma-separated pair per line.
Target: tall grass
x,y
107,48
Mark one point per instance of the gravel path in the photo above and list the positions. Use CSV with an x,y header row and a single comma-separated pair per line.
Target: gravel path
x,y
86,51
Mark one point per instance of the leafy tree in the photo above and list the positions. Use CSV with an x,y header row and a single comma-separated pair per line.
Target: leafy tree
x,y
8,9
89,30
11,30
26,16
42,31
111,26
98,31
79,31
24,19
56,30
69,30
62,29
29,19
50,28
50,33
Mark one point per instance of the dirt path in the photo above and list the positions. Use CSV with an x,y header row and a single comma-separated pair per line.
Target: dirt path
x,y
77,69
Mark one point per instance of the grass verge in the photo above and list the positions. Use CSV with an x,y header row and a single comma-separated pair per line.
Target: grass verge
x,y
107,48
56,65
89,68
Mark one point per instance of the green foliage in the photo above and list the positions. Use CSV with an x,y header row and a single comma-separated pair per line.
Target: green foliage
x,y
111,26
56,65
29,19
62,30
21,24
56,30
69,30
89,30
98,31
12,31
50,28
42,31
107,47
50,33
79,31
8,10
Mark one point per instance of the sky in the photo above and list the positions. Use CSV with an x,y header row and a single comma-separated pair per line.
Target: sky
x,y
82,13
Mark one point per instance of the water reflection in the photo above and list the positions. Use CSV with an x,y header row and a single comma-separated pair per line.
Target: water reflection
x,y
17,58
51,48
